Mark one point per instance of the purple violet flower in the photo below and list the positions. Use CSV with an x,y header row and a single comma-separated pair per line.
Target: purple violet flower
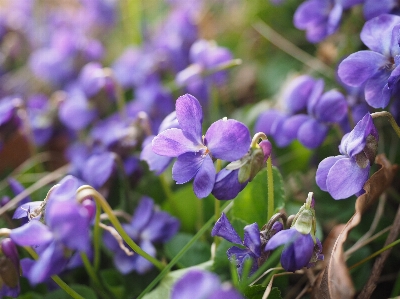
x,y
373,8
321,18
377,68
147,227
252,242
345,175
198,284
225,139
66,229
301,246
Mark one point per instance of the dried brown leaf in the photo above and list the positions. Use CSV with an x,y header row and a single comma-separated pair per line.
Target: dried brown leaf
x,y
334,281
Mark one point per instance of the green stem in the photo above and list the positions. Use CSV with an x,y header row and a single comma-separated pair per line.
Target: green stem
x,y
88,191
132,12
270,178
375,254
391,119
92,274
56,278
96,239
185,248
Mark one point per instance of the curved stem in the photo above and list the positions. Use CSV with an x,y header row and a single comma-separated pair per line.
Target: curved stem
x,y
88,191
270,178
391,119
92,274
96,239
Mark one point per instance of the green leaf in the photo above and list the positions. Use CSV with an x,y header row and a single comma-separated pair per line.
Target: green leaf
x,y
197,254
257,291
30,295
251,205
163,290
112,280
82,290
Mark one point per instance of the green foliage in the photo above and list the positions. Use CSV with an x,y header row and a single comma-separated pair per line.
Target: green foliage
x,y
251,205
197,254
82,290
257,291
112,281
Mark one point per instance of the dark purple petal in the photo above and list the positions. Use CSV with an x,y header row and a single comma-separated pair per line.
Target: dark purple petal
x,y
225,294
31,234
190,117
266,147
297,93
281,237
315,96
99,168
360,66
160,228
311,12
205,178
312,133
373,8
223,228
142,265
123,262
331,107
240,256
195,284
292,124
51,261
356,140
297,255
323,170
186,166
346,178
252,238
173,142
377,33
143,213
228,139
17,188
377,92
227,185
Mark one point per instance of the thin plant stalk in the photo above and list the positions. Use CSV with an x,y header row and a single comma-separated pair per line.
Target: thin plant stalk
x,y
92,274
270,178
96,239
375,254
88,191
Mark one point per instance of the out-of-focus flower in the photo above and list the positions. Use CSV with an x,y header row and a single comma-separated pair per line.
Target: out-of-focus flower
x,y
225,139
9,269
147,227
378,68
66,230
321,18
9,119
345,175
374,9
198,284
301,246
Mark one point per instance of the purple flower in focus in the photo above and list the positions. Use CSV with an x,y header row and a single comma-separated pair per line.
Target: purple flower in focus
x,y
147,227
9,269
197,284
378,68
345,175
301,248
321,18
225,139
252,243
66,229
